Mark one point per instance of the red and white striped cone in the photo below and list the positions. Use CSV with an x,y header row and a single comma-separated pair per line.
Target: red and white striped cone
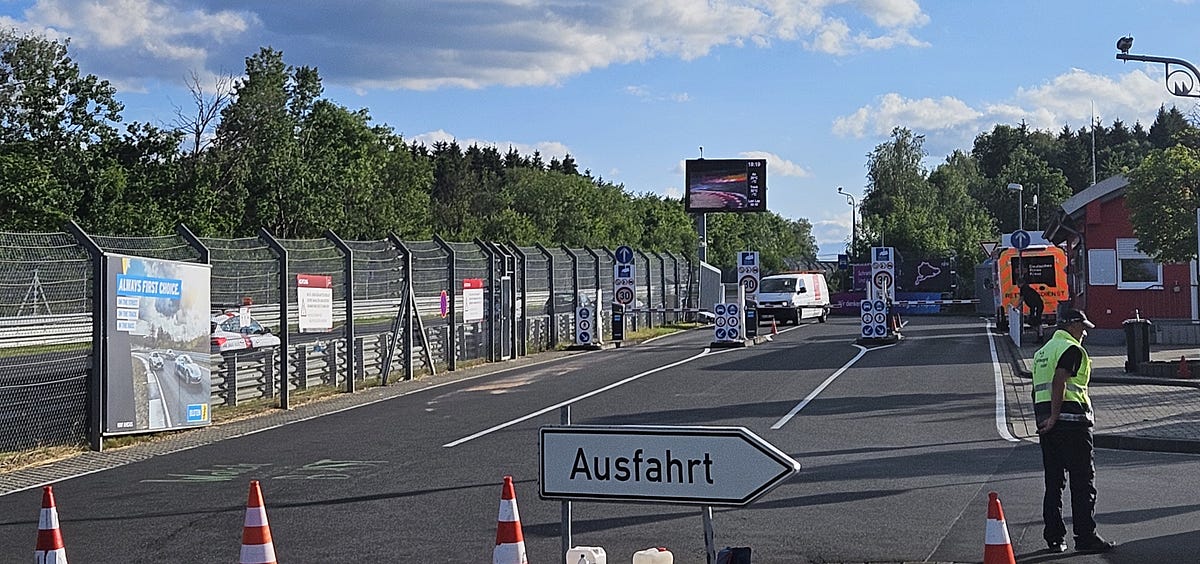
x,y
50,549
257,547
997,548
510,542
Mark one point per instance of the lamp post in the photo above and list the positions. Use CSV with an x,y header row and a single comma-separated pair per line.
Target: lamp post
x,y
1020,190
853,221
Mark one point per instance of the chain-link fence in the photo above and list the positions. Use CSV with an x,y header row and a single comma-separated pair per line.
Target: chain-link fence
x,y
45,298
476,302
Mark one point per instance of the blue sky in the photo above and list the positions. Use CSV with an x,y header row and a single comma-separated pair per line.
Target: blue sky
x,y
631,88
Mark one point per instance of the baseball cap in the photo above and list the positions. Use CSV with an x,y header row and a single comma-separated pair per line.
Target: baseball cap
x,y
1075,315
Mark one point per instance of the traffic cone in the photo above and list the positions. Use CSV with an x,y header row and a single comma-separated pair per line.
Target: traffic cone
x,y
997,549
1185,370
510,542
50,549
257,547
774,329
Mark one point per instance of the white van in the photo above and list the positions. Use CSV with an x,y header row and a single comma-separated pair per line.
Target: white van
x,y
792,296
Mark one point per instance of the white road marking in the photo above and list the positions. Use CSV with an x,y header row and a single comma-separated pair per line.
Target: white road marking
x,y
1001,411
545,410
861,351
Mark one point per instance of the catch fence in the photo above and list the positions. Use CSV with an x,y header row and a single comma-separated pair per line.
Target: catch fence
x,y
399,313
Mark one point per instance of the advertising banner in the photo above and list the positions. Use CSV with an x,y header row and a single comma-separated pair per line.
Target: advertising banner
x,y
157,373
472,300
314,294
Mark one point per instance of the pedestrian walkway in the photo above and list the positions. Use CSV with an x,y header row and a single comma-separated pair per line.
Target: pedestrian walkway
x,y
1132,412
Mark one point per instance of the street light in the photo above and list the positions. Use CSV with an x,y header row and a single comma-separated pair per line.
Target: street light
x,y
1020,190
1186,76
853,222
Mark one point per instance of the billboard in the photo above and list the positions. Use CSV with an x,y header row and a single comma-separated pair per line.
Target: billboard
x,y
157,373
314,292
472,293
725,185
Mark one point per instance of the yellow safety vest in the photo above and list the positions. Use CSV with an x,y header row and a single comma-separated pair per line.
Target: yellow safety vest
x,y
1076,405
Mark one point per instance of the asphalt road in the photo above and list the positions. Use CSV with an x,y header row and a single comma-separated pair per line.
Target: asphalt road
x,y
899,447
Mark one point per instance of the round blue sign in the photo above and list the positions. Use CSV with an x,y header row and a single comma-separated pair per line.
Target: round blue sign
x,y
624,254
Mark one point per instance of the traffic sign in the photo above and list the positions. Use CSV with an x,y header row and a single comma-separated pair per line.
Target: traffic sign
x,y
1020,239
883,280
586,332
623,255
624,295
728,466
988,247
748,271
873,315
750,283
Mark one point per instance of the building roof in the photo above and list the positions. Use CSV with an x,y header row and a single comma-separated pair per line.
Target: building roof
x,y
1094,192
1072,209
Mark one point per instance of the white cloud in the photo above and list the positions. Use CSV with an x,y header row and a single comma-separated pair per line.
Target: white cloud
x,y
645,93
1063,100
832,231
547,149
429,45
777,165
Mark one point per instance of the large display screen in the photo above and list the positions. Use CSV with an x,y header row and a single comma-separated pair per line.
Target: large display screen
x,y
725,185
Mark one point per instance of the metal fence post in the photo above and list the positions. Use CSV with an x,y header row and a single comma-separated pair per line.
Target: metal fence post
x,y
678,305
95,387
523,272
408,307
662,284
452,299
574,279
550,280
493,309
649,292
508,267
281,254
195,242
348,280
599,288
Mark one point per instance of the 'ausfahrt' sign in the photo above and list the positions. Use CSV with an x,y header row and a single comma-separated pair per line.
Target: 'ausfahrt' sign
x,y
685,465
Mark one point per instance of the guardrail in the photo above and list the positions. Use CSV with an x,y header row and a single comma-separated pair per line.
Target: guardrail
x,y
76,328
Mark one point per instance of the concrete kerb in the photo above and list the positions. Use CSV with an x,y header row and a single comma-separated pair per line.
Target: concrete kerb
x,y
1116,441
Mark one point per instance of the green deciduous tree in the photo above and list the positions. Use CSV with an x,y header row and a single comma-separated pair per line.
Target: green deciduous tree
x,y
1162,197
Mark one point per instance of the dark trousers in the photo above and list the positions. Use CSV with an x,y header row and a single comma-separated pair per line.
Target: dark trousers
x,y
1068,452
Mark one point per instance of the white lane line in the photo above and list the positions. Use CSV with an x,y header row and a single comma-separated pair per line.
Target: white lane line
x,y
543,411
861,351
1001,411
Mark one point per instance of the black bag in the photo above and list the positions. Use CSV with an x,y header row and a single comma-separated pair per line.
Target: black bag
x,y
734,555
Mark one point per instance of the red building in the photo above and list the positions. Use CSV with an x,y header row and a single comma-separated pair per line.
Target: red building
x,y
1109,278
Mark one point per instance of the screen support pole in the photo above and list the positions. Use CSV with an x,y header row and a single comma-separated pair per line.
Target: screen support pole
x,y
702,229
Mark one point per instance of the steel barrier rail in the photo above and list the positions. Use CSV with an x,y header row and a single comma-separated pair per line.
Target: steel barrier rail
x,y
40,330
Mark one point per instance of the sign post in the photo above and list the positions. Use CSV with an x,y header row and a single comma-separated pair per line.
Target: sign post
x,y
624,284
883,274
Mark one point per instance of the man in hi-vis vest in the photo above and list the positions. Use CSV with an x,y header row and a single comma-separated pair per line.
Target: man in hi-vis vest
x,y
1061,370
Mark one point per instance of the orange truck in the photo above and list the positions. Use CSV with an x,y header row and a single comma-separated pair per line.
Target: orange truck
x,y
1046,269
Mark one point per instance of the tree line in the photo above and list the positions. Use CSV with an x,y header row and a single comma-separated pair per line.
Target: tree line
x,y
949,210
267,150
